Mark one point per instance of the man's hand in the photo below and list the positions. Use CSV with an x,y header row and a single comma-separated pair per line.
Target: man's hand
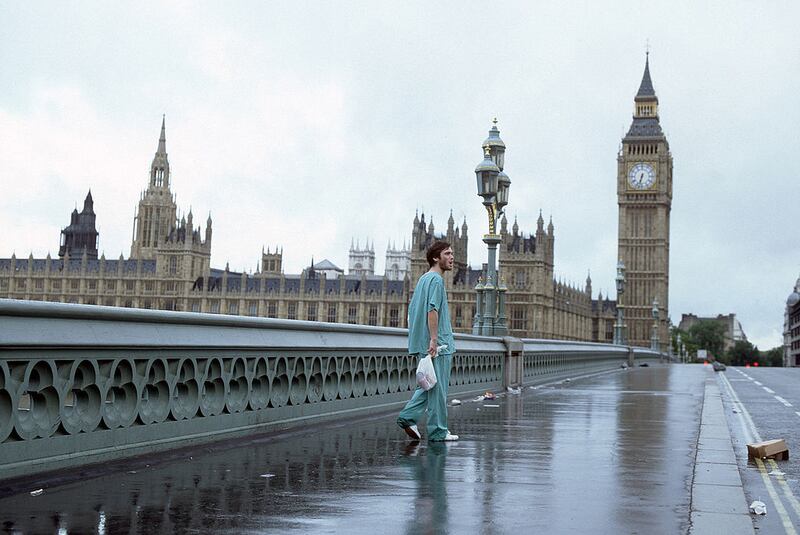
x,y
433,329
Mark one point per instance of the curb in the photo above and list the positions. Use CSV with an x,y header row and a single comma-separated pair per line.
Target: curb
x,y
718,503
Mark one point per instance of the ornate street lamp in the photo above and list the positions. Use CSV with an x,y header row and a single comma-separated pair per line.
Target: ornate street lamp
x,y
493,187
619,328
654,335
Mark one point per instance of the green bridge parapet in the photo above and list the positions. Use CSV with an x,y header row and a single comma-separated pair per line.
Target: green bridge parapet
x,y
82,384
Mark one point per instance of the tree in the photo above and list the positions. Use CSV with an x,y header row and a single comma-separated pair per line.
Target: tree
x,y
773,357
741,353
707,334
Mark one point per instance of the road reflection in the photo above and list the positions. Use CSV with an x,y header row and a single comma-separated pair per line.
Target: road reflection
x,y
609,454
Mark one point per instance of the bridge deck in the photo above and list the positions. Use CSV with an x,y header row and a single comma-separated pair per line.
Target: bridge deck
x,y
611,453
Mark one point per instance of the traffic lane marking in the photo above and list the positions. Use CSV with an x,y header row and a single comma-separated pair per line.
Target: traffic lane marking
x,y
776,500
784,486
751,434
783,401
768,390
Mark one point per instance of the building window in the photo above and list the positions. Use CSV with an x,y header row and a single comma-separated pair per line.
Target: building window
x,y
20,284
129,285
4,284
173,265
311,312
458,316
148,304
74,284
233,307
38,284
272,309
109,302
352,311
91,301
111,285
253,309
128,303
92,285
291,311
331,312
519,278
148,286
394,317
214,306
55,285
373,315
195,306
518,319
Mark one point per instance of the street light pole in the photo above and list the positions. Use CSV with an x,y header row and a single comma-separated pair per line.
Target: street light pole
x,y
654,335
493,186
619,327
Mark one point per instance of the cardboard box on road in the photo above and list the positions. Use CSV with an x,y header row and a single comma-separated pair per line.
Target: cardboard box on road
x,y
770,449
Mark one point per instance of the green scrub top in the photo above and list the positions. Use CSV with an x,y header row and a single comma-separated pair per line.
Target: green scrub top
x,y
429,294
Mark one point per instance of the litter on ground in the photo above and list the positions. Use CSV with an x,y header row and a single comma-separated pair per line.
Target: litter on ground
x,y
758,508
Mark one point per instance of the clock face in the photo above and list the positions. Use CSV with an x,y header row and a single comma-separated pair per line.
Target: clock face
x,y
641,176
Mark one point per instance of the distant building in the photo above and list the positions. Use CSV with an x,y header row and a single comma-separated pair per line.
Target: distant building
x,y
169,267
81,235
398,262
361,261
791,328
733,329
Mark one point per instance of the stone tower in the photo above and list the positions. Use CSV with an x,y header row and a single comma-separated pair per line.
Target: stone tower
x,y
81,234
398,262
362,261
644,197
156,215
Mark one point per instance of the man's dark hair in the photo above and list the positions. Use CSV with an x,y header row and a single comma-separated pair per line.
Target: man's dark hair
x,y
435,250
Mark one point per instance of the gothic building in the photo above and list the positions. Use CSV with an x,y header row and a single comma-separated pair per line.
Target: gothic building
x,y
644,197
361,261
169,267
81,234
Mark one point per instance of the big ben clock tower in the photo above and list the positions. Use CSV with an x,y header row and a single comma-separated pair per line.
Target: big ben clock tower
x,y
644,196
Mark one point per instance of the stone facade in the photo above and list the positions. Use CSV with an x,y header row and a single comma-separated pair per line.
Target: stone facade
x,y
644,197
791,328
733,329
170,269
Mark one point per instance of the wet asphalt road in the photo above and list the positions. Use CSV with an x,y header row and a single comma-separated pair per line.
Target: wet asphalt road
x,y
612,453
771,399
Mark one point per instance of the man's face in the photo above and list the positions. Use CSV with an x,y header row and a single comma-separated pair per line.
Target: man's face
x,y
446,259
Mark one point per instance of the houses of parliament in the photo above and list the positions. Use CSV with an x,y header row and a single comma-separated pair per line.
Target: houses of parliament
x,y
169,266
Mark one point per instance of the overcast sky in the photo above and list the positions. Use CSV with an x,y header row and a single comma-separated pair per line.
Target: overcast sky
x,y
307,124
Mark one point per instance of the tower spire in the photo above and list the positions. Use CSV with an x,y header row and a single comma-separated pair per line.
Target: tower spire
x,y
162,141
646,87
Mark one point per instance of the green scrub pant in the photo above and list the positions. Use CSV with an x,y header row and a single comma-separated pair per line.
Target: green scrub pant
x,y
434,400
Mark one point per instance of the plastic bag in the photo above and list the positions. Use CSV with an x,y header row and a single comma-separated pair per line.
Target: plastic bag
x,y
426,375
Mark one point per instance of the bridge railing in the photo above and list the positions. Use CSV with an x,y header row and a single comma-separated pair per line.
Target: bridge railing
x,y
82,384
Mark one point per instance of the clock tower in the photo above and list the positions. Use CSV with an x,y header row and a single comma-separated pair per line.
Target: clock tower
x,y
644,197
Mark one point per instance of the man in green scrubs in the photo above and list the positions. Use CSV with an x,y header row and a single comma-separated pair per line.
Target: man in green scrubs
x,y
428,329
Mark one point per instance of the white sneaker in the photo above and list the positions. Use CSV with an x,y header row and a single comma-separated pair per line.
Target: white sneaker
x,y
413,432
450,437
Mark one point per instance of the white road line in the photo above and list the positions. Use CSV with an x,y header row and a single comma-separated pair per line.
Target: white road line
x,y
768,390
797,413
758,383
776,500
751,434
783,401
